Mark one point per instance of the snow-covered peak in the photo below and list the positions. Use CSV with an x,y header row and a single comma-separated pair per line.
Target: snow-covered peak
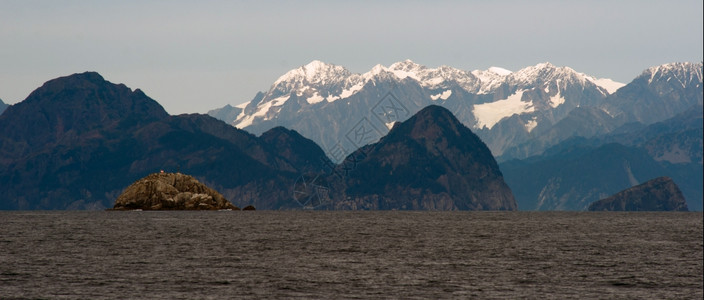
x,y
376,70
681,71
499,71
407,68
314,72
544,73
442,77
406,65
490,79
530,74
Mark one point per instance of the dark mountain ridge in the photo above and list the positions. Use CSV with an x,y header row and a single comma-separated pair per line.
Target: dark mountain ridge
x,y
431,161
78,141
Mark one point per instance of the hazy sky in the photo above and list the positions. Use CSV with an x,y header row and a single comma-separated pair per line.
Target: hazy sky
x,y
193,56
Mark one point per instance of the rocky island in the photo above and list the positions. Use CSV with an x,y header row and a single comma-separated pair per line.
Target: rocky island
x,y
171,191
659,194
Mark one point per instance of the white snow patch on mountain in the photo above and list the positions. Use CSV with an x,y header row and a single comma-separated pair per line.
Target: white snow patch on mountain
x,y
488,114
444,95
278,101
531,124
262,109
403,74
500,71
557,99
352,90
315,98
606,83
407,68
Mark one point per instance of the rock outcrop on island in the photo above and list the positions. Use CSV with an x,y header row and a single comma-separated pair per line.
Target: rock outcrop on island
x,y
659,194
171,191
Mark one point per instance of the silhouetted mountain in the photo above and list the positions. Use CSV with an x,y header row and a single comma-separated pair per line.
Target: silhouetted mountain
x,y
73,109
431,161
659,194
78,141
302,154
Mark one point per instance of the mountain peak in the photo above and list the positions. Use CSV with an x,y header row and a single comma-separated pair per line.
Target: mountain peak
x,y
77,80
546,72
499,71
77,103
377,69
314,72
435,113
406,65
432,124
430,161
682,71
315,66
545,65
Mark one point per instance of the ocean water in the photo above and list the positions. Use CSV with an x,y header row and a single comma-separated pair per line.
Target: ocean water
x,y
333,255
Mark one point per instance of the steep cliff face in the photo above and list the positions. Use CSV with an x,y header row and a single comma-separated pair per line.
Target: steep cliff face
x,y
171,191
659,194
430,161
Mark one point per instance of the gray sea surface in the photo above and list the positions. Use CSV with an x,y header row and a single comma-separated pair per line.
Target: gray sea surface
x,y
333,255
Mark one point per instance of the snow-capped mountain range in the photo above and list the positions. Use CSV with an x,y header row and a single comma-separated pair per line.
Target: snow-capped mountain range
x,y
333,106
319,82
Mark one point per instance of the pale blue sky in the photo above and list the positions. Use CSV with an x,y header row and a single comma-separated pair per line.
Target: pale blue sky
x,y
193,56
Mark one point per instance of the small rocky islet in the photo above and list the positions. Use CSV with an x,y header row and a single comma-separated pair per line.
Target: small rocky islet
x,y
659,194
171,191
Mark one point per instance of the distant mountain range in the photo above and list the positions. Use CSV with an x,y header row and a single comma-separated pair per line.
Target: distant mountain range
x,y
517,114
563,138
578,171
